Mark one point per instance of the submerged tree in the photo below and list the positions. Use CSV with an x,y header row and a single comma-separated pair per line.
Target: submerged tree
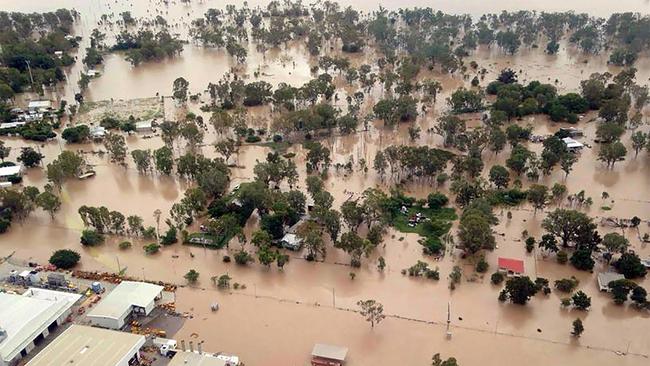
x,y
372,311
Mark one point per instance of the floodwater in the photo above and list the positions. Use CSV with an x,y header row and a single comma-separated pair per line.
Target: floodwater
x,y
298,302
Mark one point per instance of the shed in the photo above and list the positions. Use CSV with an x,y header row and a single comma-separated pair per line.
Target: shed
x,y
328,355
572,145
571,131
39,105
604,278
291,241
510,266
127,298
144,126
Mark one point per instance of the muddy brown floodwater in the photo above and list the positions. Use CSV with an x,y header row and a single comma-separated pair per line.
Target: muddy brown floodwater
x,y
278,317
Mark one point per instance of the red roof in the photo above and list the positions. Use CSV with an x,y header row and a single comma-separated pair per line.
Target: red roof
x,y
514,265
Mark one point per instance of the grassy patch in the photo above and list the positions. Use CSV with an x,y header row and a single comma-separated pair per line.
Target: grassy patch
x,y
605,208
437,225
280,147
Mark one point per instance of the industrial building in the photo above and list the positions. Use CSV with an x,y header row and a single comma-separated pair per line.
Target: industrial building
x,y
82,345
128,298
25,320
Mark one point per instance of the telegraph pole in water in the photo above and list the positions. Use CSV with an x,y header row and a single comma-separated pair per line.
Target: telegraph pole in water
x,y
448,319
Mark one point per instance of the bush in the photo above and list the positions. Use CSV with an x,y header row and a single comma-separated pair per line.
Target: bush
x,y
4,225
567,284
497,278
169,237
65,258
125,245
191,276
562,257
437,200
152,248
482,266
226,259
530,244
242,257
91,237
253,139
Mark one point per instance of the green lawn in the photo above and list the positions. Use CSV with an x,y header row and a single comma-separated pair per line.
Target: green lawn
x,y
438,225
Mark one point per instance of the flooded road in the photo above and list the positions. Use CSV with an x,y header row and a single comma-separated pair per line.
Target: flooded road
x,y
277,302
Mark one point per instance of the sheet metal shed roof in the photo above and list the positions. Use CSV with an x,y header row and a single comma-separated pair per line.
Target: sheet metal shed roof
x,y
24,317
125,295
195,359
10,170
514,265
571,143
330,352
83,345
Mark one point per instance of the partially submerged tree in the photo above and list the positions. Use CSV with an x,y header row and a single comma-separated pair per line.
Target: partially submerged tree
x,y
372,311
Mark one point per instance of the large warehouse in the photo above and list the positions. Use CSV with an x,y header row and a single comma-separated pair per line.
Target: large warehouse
x,y
127,298
82,345
25,320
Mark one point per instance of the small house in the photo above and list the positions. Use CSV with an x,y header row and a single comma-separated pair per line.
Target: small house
x,y
572,145
291,241
97,132
39,106
7,173
328,355
604,278
511,267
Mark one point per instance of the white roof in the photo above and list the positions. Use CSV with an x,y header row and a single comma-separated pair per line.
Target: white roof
x,y
11,124
10,170
40,104
195,359
329,352
291,238
144,124
25,316
604,278
82,345
571,143
125,295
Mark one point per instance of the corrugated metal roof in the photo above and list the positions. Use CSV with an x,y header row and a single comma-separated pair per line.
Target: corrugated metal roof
x,y
24,317
10,170
126,294
82,345
514,265
329,352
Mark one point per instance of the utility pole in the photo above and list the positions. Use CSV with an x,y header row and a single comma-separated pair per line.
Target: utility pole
x,y
448,319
